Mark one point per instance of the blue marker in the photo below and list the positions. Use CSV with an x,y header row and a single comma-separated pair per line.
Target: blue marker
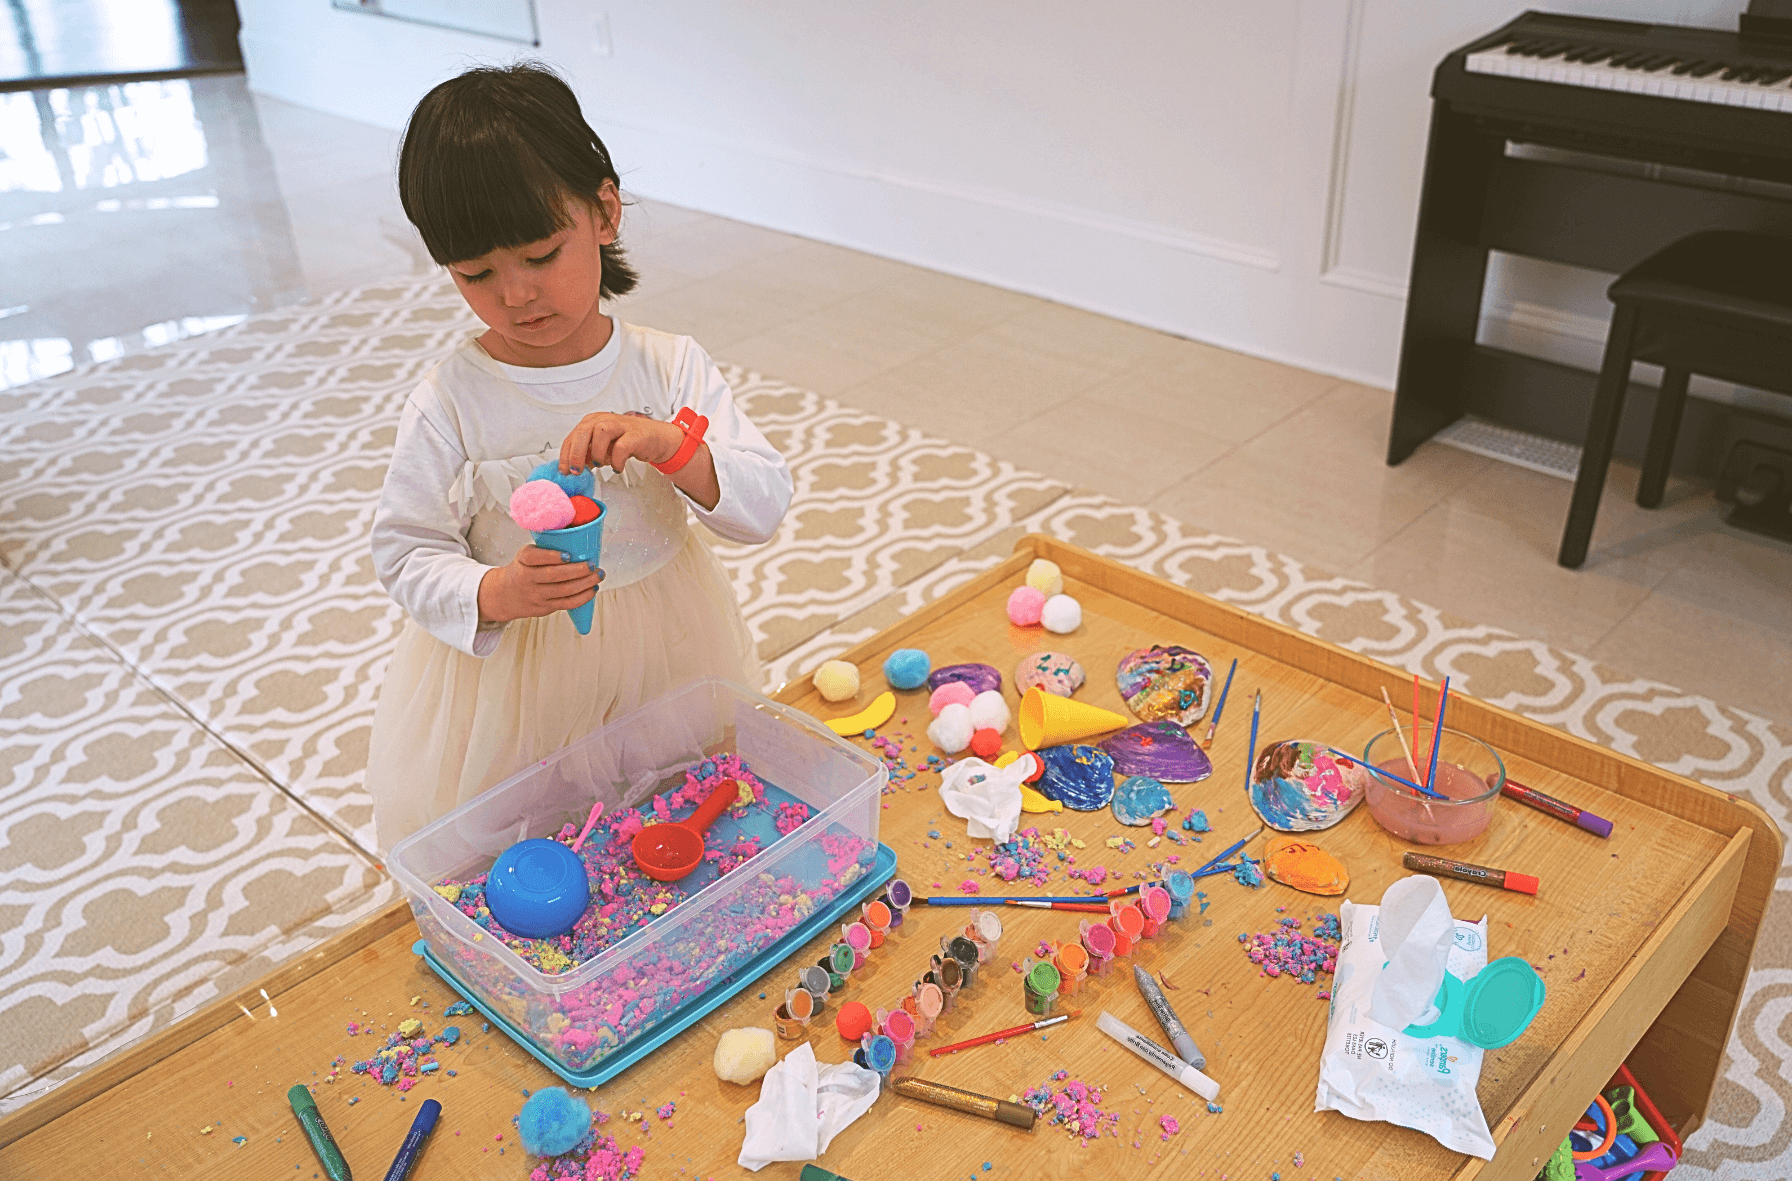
x,y
412,1148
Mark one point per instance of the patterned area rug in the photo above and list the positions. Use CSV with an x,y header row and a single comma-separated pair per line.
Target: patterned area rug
x,y
194,642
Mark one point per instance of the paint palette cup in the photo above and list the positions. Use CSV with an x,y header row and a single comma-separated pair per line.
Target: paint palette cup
x,y
899,1026
1156,903
898,896
836,980
1073,965
929,1002
1128,922
817,982
841,959
1181,887
1039,982
876,915
965,952
948,974
876,1052
1469,774
858,937
985,930
789,1026
1099,941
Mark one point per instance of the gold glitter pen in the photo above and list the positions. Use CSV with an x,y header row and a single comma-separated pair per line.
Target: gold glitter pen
x,y
968,1102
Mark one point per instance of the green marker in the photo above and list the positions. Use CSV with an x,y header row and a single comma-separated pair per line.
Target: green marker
x,y
322,1143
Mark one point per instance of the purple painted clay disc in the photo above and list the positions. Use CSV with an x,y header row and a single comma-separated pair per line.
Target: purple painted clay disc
x,y
1161,750
980,677
1054,672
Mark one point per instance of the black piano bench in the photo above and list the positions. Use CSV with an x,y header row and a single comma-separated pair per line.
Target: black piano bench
x,y
1717,303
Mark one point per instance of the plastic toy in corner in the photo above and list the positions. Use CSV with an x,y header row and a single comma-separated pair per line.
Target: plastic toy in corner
x,y
560,511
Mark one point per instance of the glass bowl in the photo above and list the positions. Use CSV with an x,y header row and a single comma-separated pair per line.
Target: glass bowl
x,y
1469,772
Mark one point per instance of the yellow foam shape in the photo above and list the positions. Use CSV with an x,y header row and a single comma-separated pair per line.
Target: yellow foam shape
x,y
881,710
1032,800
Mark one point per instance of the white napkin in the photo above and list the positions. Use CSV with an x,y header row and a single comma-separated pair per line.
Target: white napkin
x,y
802,1107
1416,933
986,797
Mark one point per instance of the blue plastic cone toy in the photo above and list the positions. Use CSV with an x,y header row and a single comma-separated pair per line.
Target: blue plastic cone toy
x,y
581,543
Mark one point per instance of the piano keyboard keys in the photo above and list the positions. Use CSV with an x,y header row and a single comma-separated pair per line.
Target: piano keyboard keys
x,y
1663,75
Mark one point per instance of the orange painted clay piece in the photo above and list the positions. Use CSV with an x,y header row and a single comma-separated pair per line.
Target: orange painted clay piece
x,y
1304,866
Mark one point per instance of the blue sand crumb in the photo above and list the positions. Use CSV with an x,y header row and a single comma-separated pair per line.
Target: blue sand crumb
x,y
1215,1108
458,1009
239,1139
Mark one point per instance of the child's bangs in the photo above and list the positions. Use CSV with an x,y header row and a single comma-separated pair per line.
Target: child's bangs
x,y
481,193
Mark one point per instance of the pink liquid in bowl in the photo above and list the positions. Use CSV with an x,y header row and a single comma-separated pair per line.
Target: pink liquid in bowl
x,y
1469,774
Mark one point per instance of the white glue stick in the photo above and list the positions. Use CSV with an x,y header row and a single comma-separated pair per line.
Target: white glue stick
x,y
1159,1057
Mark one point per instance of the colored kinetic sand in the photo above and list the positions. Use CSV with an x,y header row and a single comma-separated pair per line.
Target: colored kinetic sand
x,y
1288,952
623,899
407,1055
596,1158
1073,1105
646,954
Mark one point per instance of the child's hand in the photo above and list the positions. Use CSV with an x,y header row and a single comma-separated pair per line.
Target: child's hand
x,y
614,439
536,583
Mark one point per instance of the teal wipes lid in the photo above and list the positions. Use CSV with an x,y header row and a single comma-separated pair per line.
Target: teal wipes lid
x,y
1491,1010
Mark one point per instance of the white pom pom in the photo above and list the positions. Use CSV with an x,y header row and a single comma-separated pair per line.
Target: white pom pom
x,y
837,680
989,711
1062,614
952,730
1044,576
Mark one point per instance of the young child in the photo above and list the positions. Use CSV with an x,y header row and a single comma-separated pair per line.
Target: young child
x,y
515,194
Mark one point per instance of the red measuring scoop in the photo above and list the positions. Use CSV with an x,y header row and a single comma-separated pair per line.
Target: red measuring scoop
x,y
667,852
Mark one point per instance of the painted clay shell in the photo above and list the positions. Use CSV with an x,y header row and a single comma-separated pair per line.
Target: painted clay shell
x,y
1165,682
1162,750
980,677
1140,798
1054,672
1297,786
1081,777
1305,867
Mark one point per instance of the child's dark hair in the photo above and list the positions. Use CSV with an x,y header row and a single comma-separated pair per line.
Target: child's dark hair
x,y
490,159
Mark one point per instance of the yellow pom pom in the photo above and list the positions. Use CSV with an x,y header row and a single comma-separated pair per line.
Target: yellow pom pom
x,y
837,680
1045,577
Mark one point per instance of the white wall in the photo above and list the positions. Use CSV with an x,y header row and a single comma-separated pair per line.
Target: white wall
x,y
1240,173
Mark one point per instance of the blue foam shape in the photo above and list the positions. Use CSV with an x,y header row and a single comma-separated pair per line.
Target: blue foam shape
x,y
883,868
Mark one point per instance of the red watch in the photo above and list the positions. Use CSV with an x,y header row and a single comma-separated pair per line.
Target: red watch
x,y
693,425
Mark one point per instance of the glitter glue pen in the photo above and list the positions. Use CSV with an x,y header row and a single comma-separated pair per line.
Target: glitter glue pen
x,y
312,1120
1180,1041
1599,826
1462,871
412,1148
1159,1057
1015,1114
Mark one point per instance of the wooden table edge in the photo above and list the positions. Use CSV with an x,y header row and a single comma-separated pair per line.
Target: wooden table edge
x,y
1755,879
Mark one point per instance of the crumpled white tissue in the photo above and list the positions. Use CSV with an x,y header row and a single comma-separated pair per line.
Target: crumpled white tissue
x,y
1416,932
803,1106
986,797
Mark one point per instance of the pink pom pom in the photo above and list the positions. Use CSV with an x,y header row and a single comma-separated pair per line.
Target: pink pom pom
x,y
540,506
951,693
1025,604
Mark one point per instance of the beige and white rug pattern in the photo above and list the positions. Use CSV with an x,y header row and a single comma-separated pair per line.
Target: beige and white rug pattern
x,y
184,535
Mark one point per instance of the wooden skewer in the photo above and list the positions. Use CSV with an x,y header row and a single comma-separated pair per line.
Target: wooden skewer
x,y
1398,732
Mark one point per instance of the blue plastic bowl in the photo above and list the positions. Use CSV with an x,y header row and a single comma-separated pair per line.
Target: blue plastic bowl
x,y
537,889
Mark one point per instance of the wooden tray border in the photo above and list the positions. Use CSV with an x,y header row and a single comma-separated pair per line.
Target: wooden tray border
x,y
1680,1054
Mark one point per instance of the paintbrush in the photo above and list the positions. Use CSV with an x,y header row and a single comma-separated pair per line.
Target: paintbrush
x,y
1251,759
1002,1033
1041,904
1437,731
1356,762
1219,707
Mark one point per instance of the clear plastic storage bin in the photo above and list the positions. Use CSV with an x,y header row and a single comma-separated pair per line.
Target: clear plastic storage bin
x,y
687,959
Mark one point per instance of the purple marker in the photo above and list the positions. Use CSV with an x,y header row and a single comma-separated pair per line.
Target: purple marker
x,y
412,1148
1597,825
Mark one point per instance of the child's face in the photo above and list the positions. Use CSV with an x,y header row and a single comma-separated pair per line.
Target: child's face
x,y
540,299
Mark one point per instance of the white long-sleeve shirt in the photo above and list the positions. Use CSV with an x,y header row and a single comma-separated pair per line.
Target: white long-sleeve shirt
x,y
473,429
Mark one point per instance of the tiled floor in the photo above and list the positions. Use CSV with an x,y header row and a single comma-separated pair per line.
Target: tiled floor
x,y
1278,456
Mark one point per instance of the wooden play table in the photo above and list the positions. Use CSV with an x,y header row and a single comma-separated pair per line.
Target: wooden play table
x,y
1643,940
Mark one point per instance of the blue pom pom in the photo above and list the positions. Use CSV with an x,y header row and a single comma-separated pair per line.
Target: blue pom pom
x,y
907,668
553,1122
575,484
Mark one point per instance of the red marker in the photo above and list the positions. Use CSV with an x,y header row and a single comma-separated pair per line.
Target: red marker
x,y
1462,871
1597,825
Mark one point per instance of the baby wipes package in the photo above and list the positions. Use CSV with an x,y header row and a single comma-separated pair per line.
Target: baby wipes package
x,y
1372,1071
